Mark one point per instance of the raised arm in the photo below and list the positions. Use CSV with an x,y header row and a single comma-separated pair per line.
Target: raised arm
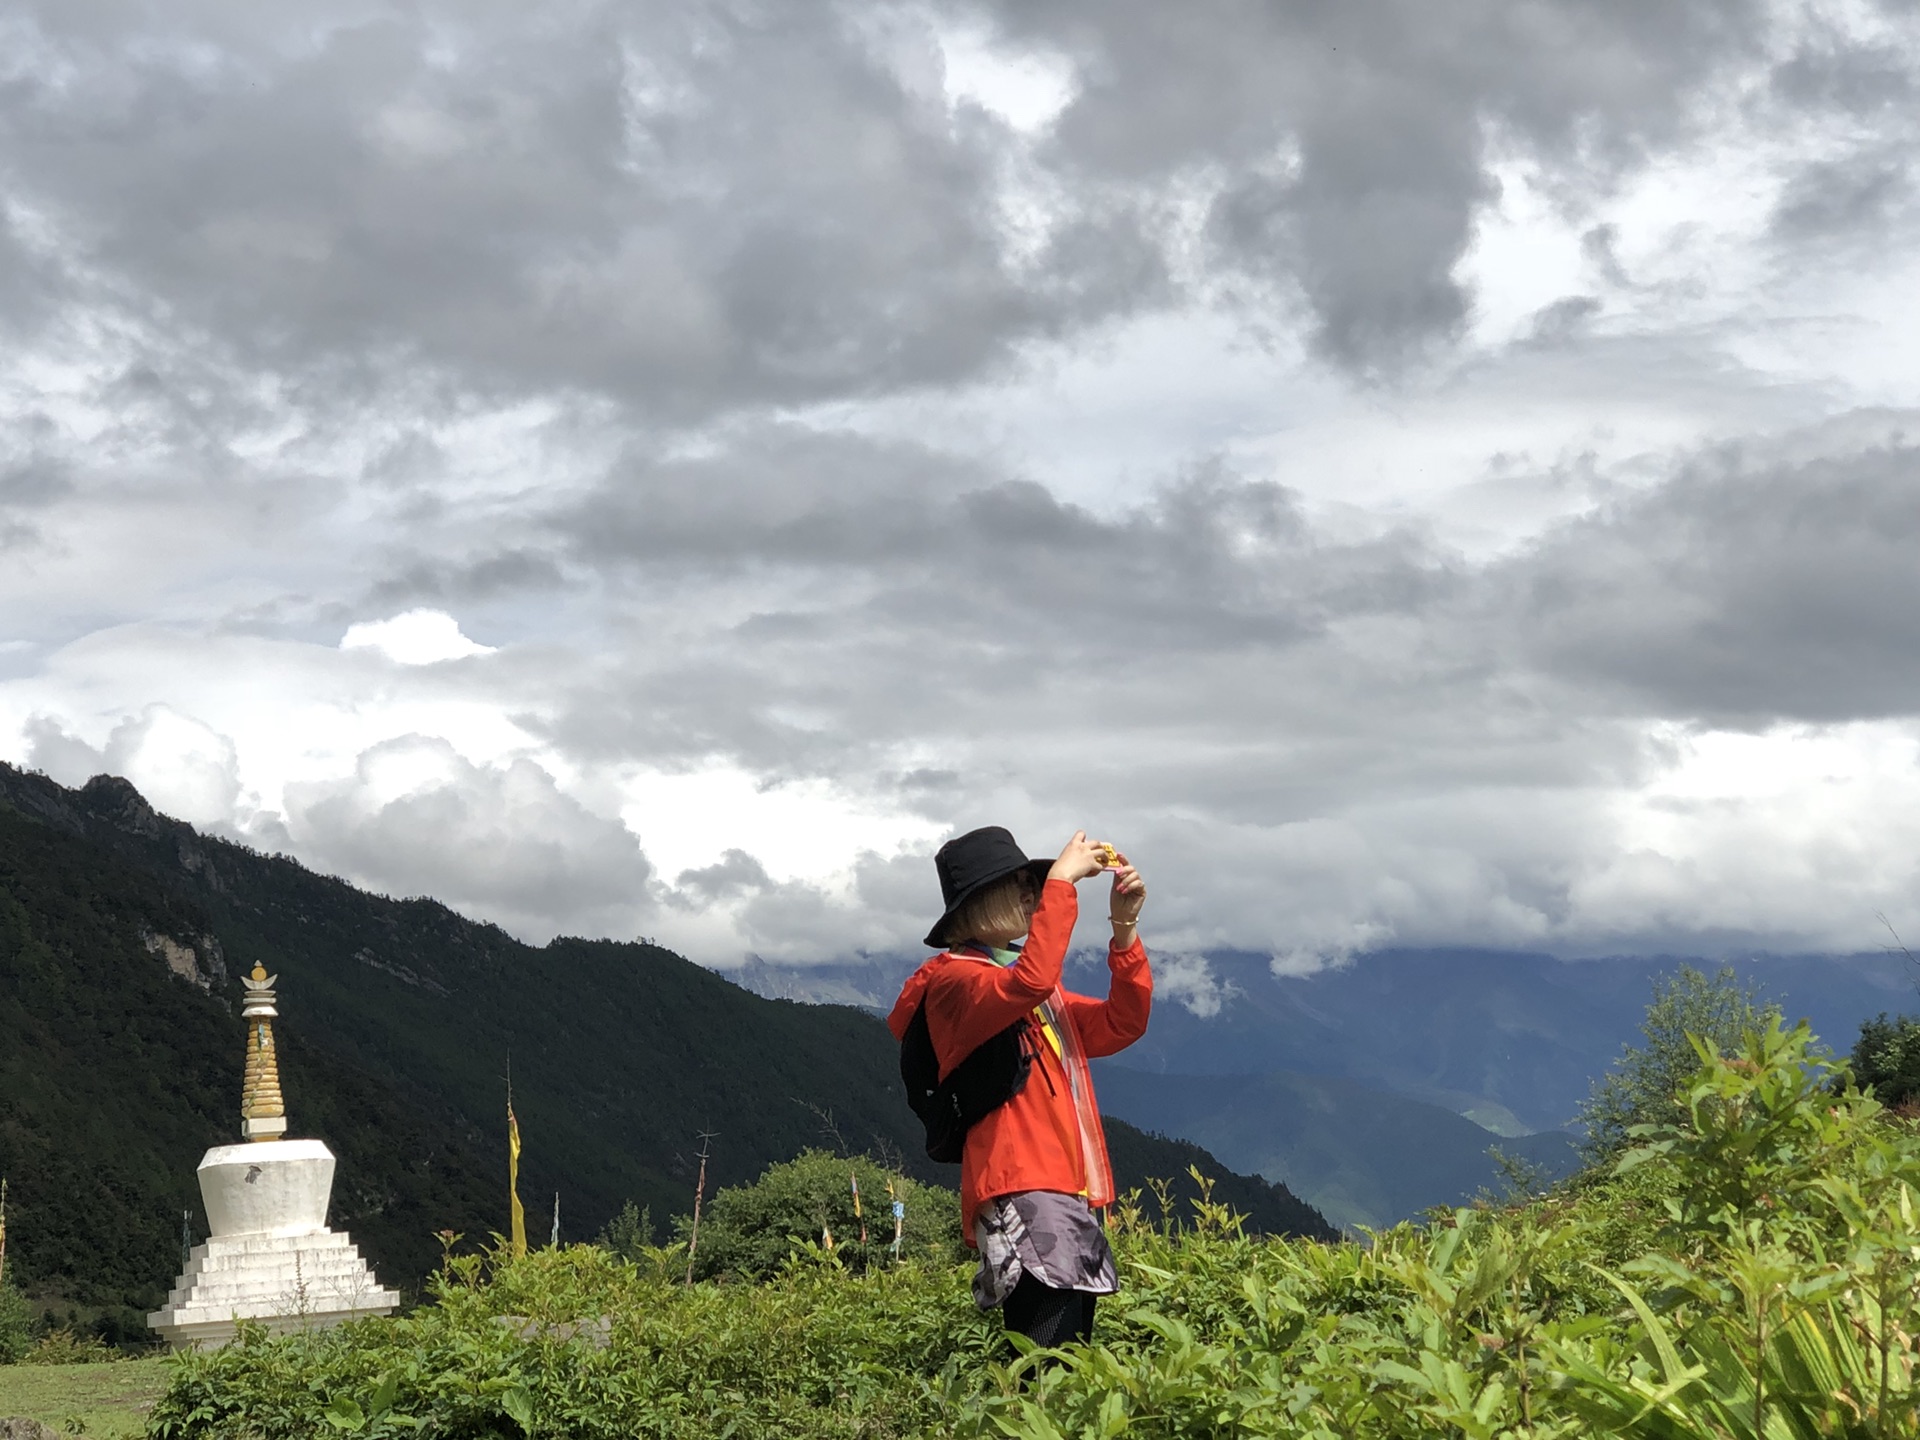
x,y
1108,1026
973,1002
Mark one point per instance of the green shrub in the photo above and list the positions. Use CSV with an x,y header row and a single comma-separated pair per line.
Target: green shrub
x,y
1775,1301
16,1324
1743,1271
61,1346
818,1352
1886,1058
748,1231
1644,1085
630,1233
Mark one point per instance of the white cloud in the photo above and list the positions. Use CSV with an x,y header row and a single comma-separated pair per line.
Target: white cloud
x,y
414,637
503,841
1189,980
1027,89
183,766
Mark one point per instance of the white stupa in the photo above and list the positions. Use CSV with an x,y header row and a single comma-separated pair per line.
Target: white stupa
x,y
270,1257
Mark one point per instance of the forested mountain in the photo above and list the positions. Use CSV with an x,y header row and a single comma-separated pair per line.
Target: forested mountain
x,y
121,932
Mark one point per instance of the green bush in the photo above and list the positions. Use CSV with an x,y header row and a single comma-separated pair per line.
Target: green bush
x,y
16,1324
819,1352
1743,1271
1776,1301
1644,1085
1886,1057
61,1346
629,1234
747,1232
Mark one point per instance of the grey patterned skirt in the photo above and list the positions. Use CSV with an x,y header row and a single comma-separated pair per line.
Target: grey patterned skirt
x,y
1042,1233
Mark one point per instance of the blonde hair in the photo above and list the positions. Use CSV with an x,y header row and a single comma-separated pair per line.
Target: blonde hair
x,y
1003,908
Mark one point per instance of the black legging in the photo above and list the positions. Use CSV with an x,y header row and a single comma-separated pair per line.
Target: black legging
x,y
1048,1316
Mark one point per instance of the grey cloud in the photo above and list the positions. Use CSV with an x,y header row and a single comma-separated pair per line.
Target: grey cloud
x,y
957,543
1749,589
695,207
34,483
1853,198
1564,319
507,572
737,873
685,206
798,918
847,613
1352,135
1851,78
1214,649
501,840
64,756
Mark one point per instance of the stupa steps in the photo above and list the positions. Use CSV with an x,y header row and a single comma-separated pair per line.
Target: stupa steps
x,y
273,1286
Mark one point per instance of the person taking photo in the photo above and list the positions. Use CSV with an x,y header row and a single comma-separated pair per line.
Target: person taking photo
x,y
1033,1169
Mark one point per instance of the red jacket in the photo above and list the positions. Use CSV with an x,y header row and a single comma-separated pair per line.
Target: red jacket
x,y
1041,1139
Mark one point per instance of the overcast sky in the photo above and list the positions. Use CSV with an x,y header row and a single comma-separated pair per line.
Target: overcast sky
x,y
1408,473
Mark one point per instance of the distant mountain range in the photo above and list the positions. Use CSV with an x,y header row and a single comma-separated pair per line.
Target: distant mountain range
x,y
1359,1156
1375,1089
122,934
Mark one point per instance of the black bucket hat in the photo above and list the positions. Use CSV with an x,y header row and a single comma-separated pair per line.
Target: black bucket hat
x,y
970,862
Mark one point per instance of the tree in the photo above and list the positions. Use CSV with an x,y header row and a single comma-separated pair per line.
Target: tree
x,y
1643,1086
1887,1057
628,1233
16,1324
748,1231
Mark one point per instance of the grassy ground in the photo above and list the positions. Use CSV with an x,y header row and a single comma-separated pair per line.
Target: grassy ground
x,y
93,1400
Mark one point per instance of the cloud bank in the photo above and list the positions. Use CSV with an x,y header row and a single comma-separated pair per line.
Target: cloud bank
x,y
657,470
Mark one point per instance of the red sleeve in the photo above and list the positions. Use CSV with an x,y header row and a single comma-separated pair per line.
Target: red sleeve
x,y
967,1004
1109,1026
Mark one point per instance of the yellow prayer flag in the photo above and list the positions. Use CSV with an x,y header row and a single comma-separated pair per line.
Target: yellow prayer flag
x,y
519,1236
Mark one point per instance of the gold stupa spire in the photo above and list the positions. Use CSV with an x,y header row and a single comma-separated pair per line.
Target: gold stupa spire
x,y
263,1114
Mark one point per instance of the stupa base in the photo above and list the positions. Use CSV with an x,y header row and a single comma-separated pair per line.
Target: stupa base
x,y
284,1282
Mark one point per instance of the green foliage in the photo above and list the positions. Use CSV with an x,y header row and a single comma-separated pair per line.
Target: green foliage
x,y
1776,1301
749,1231
61,1346
1645,1083
820,1352
1886,1058
1743,1272
16,1324
629,1233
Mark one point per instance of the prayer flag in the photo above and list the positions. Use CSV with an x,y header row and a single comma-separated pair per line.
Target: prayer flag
x,y
519,1236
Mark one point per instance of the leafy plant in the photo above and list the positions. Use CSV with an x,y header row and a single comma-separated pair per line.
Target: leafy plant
x,y
16,1324
1644,1084
629,1232
750,1231
61,1346
1887,1058
1744,1270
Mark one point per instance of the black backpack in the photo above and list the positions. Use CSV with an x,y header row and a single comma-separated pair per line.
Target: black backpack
x,y
990,1076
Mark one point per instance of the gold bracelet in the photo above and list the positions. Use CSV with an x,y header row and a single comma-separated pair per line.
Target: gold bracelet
x,y
1114,920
